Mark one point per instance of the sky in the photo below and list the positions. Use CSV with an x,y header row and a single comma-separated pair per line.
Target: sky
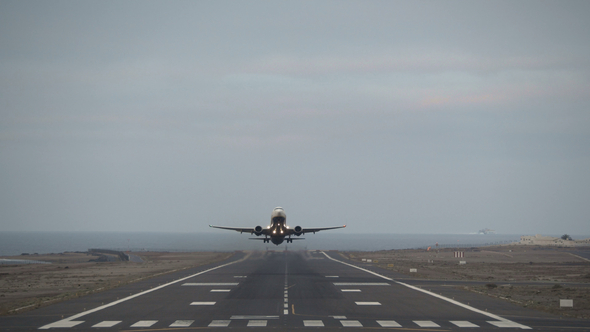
x,y
386,116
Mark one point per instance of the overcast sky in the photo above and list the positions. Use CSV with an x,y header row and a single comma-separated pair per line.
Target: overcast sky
x,y
387,116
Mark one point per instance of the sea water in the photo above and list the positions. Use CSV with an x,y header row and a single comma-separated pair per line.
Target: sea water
x,y
17,243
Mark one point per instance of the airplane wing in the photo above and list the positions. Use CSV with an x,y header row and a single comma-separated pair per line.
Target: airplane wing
x,y
315,229
240,229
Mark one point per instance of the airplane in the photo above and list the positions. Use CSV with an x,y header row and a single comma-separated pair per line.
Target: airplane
x,y
278,229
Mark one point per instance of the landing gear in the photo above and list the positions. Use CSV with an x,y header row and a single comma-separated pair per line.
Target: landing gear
x,y
289,239
266,240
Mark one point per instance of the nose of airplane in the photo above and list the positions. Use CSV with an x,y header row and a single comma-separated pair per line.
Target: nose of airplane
x,y
278,212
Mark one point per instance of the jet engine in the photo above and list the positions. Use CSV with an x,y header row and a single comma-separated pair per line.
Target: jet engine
x,y
298,230
258,230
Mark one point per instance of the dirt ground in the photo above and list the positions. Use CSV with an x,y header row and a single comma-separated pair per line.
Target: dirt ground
x,y
501,267
24,287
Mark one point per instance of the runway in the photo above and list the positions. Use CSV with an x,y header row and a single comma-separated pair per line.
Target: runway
x,y
287,291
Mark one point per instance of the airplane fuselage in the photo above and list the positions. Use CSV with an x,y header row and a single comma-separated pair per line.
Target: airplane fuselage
x,y
278,226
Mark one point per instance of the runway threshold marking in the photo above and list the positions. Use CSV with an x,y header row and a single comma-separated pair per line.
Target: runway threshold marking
x,y
220,323
182,323
463,323
107,323
426,323
351,323
254,317
144,323
501,322
256,323
388,323
313,323
69,322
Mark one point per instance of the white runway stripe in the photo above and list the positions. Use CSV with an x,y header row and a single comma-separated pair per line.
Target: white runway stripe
x,y
313,323
211,284
351,290
219,323
368,303
507,323
220,290
256,323
361,284
463,323
61,324
253,317
388,323
426,323
144,323
107,323
182,323
351,323
203,303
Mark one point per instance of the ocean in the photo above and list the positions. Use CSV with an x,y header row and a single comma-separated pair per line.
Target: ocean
x,y
17,243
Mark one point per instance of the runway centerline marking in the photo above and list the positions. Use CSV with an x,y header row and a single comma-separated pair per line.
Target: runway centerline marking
x,y
286,291
501,321
203,303
70,319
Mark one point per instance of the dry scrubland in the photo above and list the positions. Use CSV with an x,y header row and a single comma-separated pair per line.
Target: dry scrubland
x,y
502,268
70,275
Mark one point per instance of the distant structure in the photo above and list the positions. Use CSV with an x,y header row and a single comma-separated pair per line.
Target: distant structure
x,y
486,231
540,240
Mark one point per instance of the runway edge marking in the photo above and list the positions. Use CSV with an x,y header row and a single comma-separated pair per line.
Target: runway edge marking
x,y
69,320
468,307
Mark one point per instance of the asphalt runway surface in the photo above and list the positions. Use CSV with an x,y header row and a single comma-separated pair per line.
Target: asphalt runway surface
x,y
308,290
